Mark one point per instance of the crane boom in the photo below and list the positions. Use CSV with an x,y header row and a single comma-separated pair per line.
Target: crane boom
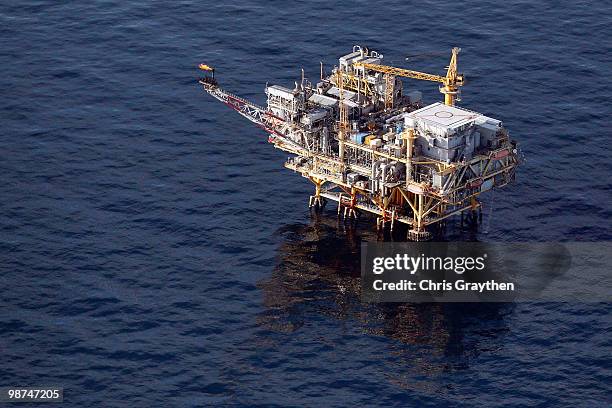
x,y
386,69
450,83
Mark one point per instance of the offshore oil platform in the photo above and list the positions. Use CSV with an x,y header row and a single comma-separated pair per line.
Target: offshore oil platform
x,y
370,146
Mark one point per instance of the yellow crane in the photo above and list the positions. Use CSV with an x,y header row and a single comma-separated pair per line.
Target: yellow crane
x,y
450,83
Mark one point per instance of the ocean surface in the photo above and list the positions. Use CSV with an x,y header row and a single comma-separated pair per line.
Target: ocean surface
x,y
155,252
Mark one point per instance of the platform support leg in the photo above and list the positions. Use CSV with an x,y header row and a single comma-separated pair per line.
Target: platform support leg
x,y
418,231
316,200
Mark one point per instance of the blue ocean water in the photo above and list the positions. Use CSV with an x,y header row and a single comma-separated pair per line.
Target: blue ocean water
x,y
154,252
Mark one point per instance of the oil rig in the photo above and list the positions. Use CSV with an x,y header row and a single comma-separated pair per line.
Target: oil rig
x,y
370,146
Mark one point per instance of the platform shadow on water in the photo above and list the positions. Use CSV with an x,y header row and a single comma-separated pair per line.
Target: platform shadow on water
x,y
317,277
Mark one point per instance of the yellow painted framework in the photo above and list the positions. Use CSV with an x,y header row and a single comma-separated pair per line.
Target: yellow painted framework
x,y
413,204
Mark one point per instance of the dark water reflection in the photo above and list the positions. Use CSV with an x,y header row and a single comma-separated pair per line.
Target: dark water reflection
x,y
318,273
